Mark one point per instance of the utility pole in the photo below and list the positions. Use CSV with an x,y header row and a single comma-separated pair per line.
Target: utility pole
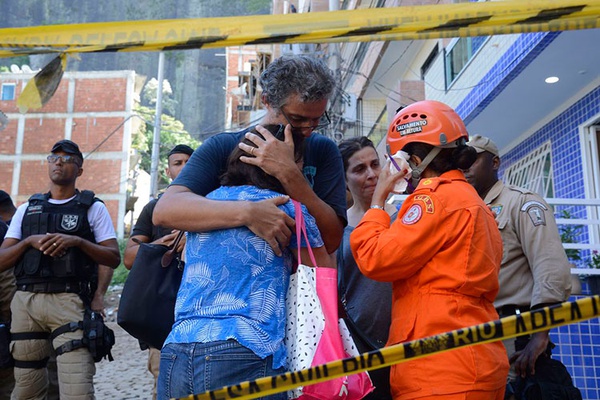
x,y
334,64
157,127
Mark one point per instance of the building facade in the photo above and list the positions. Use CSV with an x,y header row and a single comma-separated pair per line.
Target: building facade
x,y
536,95
93,109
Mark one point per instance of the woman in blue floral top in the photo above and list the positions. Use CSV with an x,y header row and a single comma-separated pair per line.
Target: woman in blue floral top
x,y
230,313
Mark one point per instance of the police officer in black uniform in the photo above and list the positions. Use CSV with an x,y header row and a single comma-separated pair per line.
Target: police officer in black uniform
x,y
7,290
56,241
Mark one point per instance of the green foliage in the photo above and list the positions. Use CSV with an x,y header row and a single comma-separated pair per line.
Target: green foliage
x,y
121,272
172,130
149,96
19,61
569,234
119,276
172,133
594,260
258,7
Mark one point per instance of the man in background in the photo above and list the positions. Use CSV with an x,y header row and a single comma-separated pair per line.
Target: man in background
x,y
7,278
535,271
7,207
55,242
7,290
146,232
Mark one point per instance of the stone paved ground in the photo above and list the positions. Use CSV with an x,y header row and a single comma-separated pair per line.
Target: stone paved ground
x,y
127,377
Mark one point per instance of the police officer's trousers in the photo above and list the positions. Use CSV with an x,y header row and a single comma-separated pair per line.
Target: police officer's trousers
x,y
45,312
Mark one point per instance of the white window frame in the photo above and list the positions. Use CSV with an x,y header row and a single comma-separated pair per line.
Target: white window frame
x,y
589,134
448,51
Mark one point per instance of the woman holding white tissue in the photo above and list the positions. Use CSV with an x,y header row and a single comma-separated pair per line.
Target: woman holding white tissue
x,y
442,255
367,302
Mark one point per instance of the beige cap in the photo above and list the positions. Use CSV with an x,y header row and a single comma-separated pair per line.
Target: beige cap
x,y
482,143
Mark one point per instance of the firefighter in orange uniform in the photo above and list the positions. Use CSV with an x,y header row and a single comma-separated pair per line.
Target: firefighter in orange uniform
x,y
442,254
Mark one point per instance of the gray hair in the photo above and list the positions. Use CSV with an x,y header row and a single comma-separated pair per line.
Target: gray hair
x,y
306,76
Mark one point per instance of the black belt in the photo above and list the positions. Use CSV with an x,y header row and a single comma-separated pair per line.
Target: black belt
x,y
511,309
55,287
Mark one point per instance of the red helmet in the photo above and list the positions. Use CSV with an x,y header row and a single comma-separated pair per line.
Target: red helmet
x,y
428,122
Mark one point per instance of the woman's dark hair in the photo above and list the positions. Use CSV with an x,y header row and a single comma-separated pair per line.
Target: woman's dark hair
x,y
239,173
461,157
350,146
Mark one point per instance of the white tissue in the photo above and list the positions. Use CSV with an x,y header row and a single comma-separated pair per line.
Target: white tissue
x,y
401,159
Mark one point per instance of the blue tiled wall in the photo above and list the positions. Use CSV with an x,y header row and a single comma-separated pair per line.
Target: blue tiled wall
x,y
578,345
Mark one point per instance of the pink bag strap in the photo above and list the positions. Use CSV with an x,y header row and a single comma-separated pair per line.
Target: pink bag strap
x,y
301,230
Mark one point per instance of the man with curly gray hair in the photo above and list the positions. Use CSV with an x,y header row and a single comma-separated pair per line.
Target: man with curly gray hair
x,y
304,76
295,92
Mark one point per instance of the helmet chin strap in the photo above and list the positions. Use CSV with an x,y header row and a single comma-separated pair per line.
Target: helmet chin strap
x,y
418,170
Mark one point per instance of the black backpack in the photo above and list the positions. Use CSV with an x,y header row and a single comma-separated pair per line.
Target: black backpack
x,y
550,382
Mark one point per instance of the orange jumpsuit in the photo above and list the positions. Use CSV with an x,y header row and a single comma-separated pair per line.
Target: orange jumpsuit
x,y
443,256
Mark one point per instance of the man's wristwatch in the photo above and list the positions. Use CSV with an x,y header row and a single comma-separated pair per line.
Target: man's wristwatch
x,y
377,207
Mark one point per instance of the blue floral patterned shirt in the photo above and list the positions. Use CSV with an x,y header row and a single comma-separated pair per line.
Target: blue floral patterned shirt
x,y
234,286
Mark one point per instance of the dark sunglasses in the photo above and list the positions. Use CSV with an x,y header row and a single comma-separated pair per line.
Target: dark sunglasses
x,y
52,158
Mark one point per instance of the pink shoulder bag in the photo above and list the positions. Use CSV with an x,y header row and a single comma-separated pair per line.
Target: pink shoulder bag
x,y
314,333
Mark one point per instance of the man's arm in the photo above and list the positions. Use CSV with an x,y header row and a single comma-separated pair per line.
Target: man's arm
x,y
13,249
132,248
524,361
142,233
183,205
550,269
277,159
105,252
105,275
182,209
133,245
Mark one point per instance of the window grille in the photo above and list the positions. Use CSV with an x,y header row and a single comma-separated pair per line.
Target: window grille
x,y
533,172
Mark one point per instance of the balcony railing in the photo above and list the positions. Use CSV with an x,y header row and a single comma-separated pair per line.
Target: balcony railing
x,y
585,212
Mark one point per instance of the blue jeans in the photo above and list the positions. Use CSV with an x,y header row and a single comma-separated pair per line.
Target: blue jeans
x,y
193,368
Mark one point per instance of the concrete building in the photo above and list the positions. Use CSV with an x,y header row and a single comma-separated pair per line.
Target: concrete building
x,y
94,109
244,64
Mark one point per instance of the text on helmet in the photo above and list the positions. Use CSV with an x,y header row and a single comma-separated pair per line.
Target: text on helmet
x,y
411,127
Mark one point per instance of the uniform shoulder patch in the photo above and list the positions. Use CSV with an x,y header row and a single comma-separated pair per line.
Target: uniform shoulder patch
x,y
427,201
413,215
535,210
429,184
496,208
533,203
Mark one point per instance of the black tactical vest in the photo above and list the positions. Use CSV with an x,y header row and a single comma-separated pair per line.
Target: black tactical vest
x,y
43,217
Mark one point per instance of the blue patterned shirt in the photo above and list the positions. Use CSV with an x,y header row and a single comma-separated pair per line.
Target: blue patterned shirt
x,y
234,286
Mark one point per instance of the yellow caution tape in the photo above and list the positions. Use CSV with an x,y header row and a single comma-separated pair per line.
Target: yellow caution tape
x,y
396,23
505,328
41,88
